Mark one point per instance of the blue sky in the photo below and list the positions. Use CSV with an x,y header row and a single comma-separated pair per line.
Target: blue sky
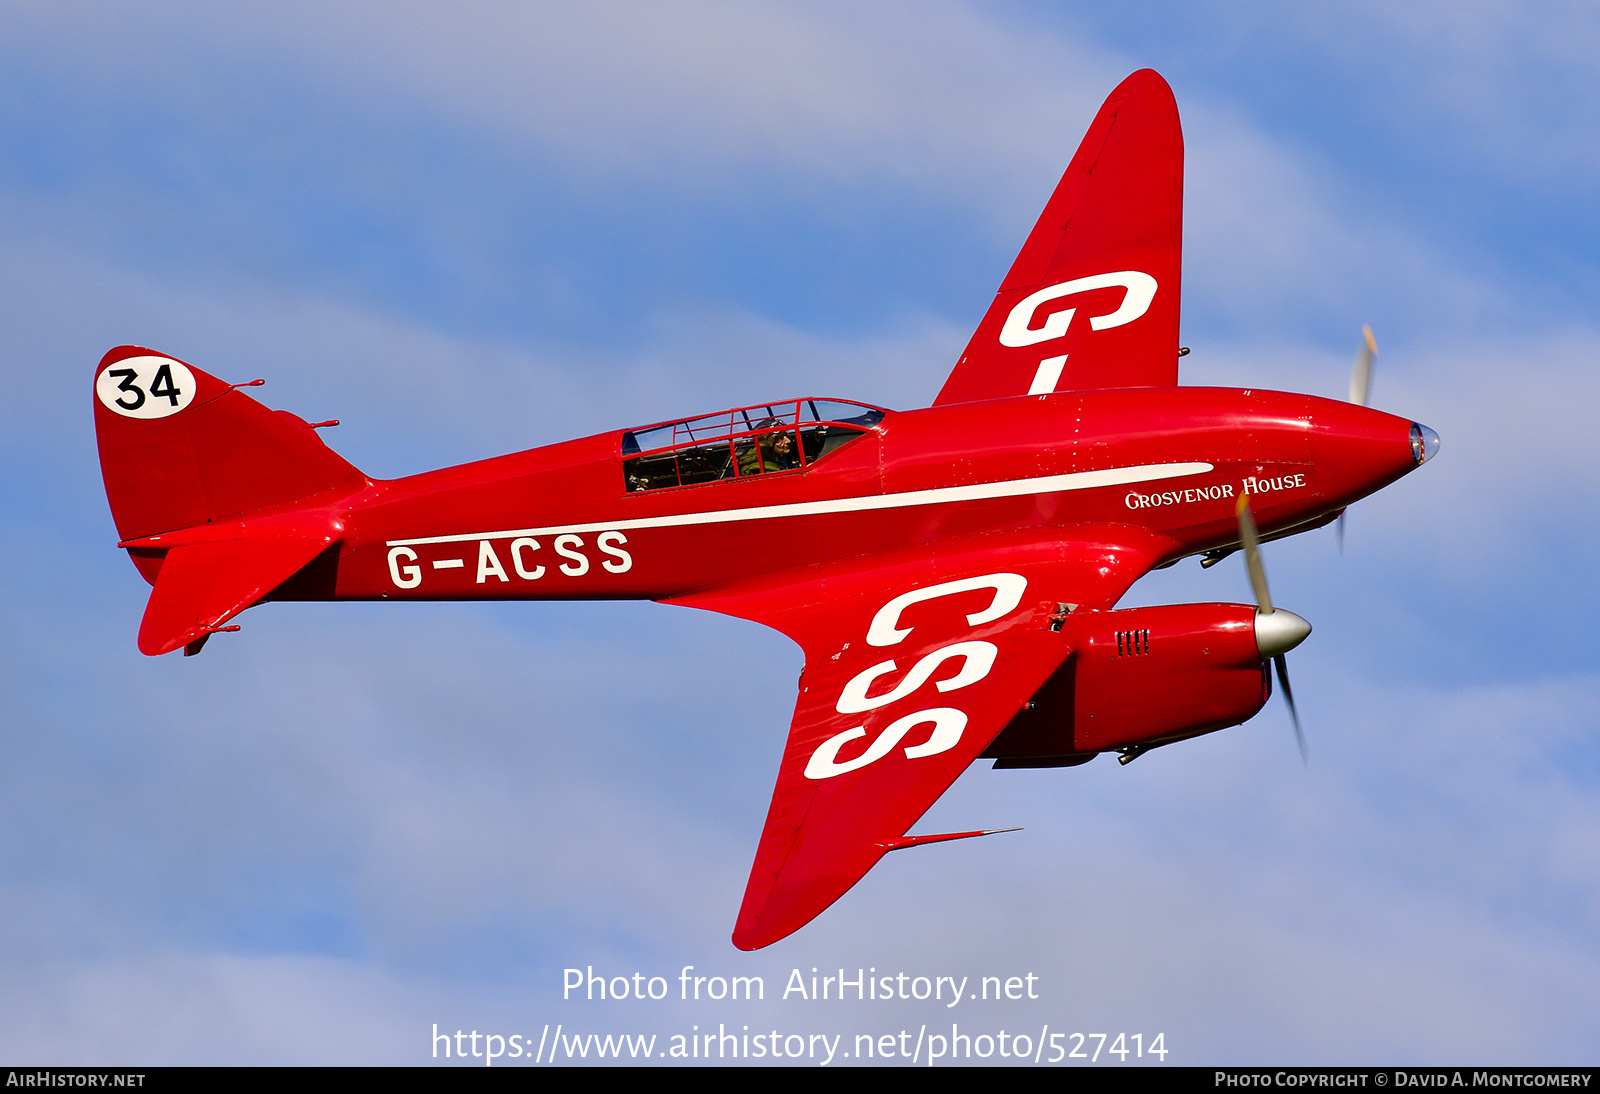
x,y
469,233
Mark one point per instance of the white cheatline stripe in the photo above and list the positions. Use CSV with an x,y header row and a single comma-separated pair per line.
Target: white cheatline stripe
x,y
1048,484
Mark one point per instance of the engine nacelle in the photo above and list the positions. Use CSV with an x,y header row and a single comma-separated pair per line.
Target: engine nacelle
x,y
1140,676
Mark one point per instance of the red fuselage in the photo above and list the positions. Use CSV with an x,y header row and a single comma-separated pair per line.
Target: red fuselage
x,y
557,522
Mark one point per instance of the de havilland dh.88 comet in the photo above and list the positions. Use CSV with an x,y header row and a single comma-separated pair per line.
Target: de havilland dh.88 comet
x,y
951,573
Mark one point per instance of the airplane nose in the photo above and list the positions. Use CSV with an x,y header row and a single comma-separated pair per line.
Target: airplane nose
x,y
1358,450
1424,443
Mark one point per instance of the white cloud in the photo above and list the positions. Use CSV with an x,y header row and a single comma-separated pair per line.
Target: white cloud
x,y
210,1008
1275,240
941,105
1508,81
939,92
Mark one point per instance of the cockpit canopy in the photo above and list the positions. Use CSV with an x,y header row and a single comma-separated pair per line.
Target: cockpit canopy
x,y
747,441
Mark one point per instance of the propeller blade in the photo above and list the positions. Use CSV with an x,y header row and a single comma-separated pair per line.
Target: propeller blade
x,y
1361,375
1250,540
1281,663
1360,389
1291,631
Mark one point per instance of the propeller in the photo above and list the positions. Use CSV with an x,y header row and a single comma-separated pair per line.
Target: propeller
x,y
1277,631
1360,389
1361,375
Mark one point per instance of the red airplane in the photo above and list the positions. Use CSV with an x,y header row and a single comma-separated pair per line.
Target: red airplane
x,y
951,573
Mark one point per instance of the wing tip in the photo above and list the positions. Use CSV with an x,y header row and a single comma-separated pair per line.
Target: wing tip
x,y
1144,78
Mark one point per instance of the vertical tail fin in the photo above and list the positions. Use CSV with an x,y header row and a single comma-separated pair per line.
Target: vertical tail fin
x,y
180,451
178,447
1092,299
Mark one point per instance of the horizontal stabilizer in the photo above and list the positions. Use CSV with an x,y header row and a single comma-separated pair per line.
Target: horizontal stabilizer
x,y
204,584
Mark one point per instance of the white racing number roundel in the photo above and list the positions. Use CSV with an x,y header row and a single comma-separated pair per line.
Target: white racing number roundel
x,y
145,387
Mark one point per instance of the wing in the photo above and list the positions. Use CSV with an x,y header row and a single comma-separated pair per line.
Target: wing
x,y
1092,299
914,663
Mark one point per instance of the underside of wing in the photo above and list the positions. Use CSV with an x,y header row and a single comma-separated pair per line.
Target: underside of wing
x,y
914,663
1092,299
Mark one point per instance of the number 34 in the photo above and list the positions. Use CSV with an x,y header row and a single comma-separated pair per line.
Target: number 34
x,y
145,387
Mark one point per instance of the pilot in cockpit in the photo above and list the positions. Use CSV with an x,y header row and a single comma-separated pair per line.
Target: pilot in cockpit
x,y
769,452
